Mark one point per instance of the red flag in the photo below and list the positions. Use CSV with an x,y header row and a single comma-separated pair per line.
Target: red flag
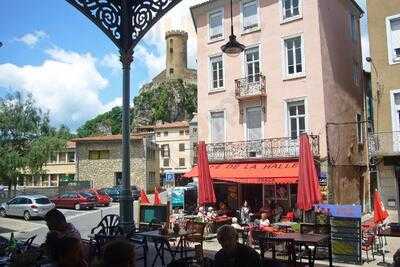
x,y
143,198
380,213
205,188
308,192
157,200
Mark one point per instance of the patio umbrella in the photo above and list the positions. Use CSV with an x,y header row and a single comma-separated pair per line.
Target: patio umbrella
x,y
205,188
380,213
308,191
157,200
143,198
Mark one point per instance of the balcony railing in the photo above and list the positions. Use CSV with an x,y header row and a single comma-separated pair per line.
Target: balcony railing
x,y
250,87
384,144
273,148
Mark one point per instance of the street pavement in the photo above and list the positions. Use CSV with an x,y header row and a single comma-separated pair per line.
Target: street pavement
x,y
85,220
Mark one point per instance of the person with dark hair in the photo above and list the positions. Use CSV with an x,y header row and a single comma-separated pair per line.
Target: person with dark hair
x,y
56,222
234,254
119,253
64,251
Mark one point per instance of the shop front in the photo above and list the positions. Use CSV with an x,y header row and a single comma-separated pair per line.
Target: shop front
x,y
259,183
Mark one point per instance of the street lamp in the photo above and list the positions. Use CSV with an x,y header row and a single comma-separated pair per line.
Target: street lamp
x,y
378,83
125,22
232,47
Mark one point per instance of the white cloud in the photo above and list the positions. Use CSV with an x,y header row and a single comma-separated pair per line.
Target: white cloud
x,y
112,61
31,39
117,102
154,63
364,34
67,84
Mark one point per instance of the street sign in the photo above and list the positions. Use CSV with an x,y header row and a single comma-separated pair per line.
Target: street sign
x,y
169,177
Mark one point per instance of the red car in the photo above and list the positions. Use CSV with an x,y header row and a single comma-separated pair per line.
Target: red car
x,y
102,198
75,200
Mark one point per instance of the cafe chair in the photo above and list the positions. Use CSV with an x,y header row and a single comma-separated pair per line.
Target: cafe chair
x,y
107,230
197,238
367,244
281,249
27,244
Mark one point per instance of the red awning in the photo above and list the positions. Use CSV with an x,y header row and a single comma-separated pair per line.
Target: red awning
x,y
282,172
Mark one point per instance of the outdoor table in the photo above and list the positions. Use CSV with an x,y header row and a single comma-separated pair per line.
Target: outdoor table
x,y
161,242
308,240
284,225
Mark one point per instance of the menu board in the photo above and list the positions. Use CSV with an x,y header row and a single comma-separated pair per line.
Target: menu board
x,y
149,213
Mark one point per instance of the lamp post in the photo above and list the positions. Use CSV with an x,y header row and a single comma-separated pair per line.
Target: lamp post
x,y
125,22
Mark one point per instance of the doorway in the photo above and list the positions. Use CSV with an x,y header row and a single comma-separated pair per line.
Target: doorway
x,y
118,178
253,194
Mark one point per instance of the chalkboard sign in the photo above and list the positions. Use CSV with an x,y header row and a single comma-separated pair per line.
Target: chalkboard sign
x,y
149,213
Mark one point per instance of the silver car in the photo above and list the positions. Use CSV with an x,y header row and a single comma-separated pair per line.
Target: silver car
x,y
27,206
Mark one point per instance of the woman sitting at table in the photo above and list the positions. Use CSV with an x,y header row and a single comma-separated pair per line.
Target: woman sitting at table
x,y
223,209
264,222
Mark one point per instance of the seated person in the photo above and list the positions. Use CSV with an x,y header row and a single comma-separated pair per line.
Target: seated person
x,y
56,222
245,213
223,209
64,251
277,213
235,224
264,220
234,254
119,253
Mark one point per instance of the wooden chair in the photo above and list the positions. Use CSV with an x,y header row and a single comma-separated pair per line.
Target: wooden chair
x,y
367,244
196,238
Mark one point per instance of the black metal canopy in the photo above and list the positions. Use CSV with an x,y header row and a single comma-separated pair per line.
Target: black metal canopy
x,y
125,22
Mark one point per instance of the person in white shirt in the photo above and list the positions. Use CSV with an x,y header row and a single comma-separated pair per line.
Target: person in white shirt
x,y
264,220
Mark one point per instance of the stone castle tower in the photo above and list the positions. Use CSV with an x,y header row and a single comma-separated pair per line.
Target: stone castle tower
x,y
176,54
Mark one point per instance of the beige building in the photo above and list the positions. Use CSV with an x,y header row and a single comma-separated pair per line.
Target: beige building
x,y
173,140
99,159
61,166
384,38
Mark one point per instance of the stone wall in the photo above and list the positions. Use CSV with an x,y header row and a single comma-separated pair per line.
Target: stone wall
x,y
103,171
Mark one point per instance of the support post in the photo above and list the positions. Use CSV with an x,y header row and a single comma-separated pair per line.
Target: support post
x,y
126,200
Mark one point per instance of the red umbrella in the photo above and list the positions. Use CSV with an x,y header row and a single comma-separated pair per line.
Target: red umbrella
x,y
380,213
143,198
206,189
308,191
157,200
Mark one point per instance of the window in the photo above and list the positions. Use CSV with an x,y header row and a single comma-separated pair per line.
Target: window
x,y
99,154
294,56
152,178
45,180
158,134
252,64
254,123
217,70
71,156
53,180
165,150
171,71
250,14
182,147
62,157
217,127
165,133
290,9
353,27
393,38
360,136
171,45
181,162
356,73
166,162
181,132
215,24
53,158
296,118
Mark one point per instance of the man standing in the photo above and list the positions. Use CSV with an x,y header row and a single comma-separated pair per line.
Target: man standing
x,y
234,254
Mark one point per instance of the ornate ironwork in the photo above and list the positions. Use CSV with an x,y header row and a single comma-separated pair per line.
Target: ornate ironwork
x,y
272,148
110,15
250,86
384,144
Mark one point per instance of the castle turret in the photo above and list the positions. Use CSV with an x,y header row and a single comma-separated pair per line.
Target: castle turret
x,y
176,62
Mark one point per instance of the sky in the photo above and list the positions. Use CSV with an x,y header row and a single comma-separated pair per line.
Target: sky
x,y
71,68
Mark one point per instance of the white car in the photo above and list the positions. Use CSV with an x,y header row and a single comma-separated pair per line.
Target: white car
x,y
27,206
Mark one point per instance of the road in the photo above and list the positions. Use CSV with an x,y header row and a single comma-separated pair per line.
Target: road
x,y
83,220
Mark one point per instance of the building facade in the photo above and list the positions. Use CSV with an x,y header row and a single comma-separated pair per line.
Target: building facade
x,y
60,167
99,159
298,73
384,37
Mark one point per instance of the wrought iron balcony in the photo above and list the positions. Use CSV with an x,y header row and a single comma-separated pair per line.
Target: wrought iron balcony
x,y
250,87
272,148
384,144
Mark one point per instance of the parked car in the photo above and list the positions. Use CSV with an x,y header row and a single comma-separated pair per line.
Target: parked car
x,y
75,200
115,191
102,198
27,206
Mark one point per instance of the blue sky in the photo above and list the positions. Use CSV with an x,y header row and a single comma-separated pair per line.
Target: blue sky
x,y
70,67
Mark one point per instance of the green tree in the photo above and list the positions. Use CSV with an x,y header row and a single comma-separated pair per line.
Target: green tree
x,y
26,138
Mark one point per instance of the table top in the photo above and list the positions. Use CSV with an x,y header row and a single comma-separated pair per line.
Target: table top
x,y
304,238
388,232
284,224
157,234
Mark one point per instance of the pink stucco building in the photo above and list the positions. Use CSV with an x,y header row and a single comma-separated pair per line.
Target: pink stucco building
x,y
301,71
